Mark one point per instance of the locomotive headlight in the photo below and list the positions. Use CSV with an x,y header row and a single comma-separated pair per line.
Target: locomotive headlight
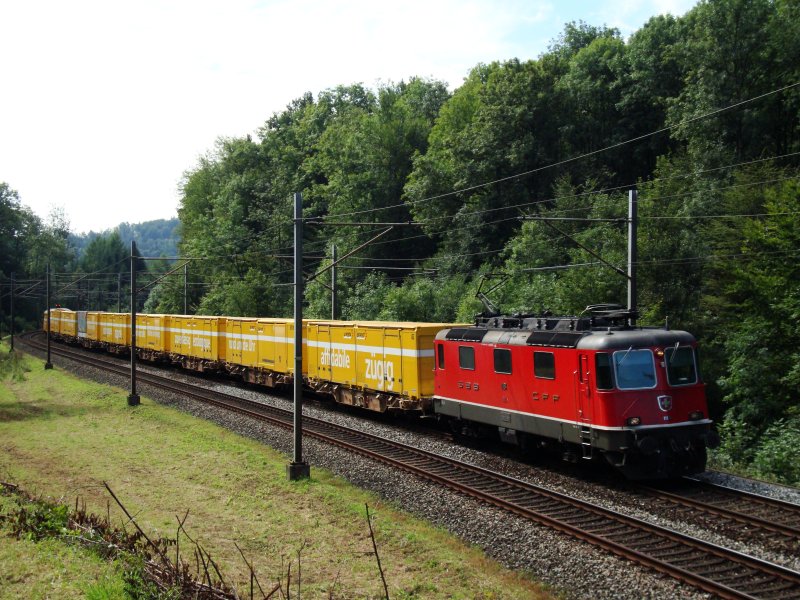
x,y
695,415
633,421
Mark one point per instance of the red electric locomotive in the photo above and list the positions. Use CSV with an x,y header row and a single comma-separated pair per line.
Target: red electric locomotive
x,y
594,384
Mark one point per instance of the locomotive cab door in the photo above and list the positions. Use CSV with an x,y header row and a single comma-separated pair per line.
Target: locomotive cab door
x,y
584,399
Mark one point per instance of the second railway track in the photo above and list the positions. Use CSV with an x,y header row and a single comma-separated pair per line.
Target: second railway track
x,y
708,567
744,510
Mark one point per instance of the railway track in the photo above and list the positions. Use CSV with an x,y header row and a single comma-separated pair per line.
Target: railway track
x,y
744,510
708,567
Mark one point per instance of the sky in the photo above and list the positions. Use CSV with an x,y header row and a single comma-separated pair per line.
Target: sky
x,y
106,104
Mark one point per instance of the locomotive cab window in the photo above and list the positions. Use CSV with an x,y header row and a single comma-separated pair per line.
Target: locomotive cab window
x,y
681,366
466,357
544,365
440,355
502,361
634,369
604,374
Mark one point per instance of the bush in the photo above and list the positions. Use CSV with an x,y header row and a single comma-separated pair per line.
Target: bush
x,y
738,442
776,454
12,365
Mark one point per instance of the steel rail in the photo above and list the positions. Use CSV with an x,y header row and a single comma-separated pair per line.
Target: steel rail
x,y
711,568
745,508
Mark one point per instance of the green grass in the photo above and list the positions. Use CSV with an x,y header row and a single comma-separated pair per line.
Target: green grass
x,y
63,437
52,569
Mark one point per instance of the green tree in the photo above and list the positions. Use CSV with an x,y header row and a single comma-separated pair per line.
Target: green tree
x,y
366,299
734,50
590,93
650,77
498,125
105,280
105,253
364,157
15,222
27,245
762,380
50,243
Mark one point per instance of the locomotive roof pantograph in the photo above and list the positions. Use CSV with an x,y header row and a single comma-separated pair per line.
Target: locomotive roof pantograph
x,y
605,328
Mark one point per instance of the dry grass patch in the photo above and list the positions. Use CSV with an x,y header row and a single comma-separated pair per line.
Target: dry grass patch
x,y
63,437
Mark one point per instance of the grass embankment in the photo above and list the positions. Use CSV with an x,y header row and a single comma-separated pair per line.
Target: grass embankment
x,y
62,437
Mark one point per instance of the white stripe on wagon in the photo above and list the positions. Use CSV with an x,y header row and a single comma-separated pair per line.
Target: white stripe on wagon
x,y
353,348
427,353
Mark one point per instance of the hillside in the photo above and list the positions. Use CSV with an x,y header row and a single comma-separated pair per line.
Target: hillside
x,y
153,238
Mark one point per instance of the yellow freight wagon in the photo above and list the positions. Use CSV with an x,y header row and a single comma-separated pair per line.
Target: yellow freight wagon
x,y
241,341
93,326
120,328
179,335
205,337
373,364
197,340
67,323
260,350
114,330
55,319
331,352
151,332
105,326
276,345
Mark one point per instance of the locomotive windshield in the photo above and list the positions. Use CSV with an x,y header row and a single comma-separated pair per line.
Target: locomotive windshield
x,y
681,368
634,369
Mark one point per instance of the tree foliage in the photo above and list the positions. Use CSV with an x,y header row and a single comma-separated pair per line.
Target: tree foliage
x,y
27,245
153,238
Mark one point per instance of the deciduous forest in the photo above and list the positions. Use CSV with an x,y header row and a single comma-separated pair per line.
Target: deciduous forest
x,y
700,114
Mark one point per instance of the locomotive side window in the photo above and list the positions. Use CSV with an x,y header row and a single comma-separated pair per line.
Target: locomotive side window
x,y
544,365
634,369
681,368
440,355
466,357
603,371
502,361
